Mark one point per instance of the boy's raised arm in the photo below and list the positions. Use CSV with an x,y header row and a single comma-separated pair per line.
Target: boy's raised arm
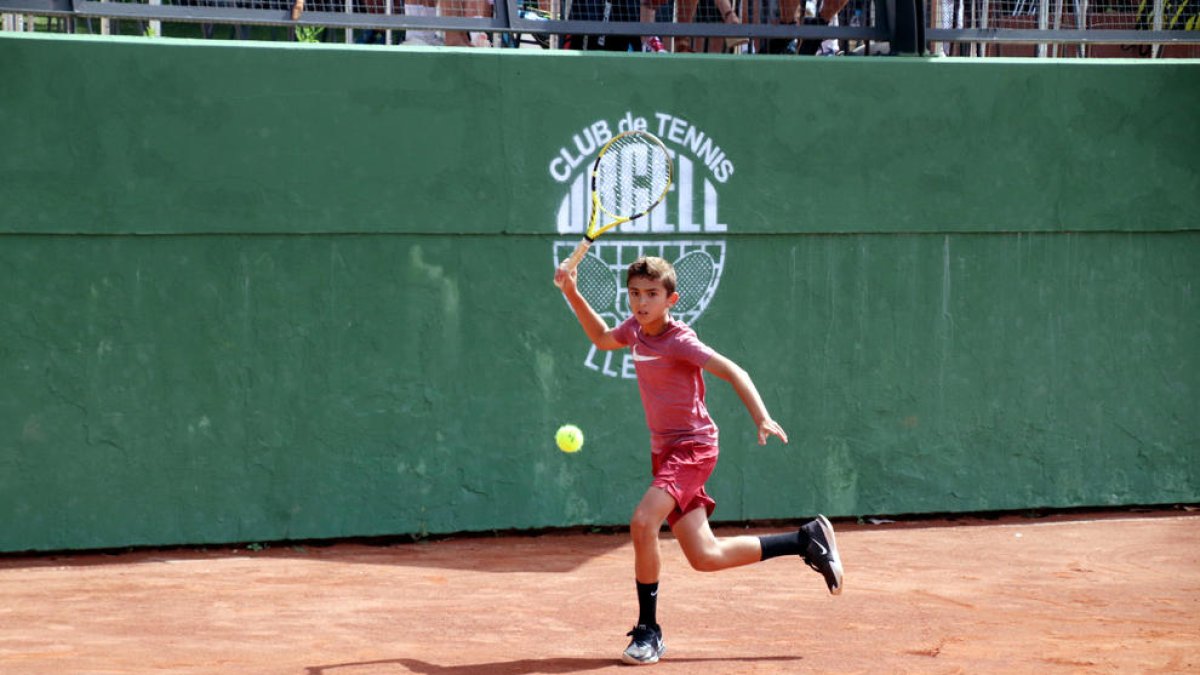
x,y
593,325
733,374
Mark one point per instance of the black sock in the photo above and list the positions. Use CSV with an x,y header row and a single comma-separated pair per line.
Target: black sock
x,y
792,543
647,604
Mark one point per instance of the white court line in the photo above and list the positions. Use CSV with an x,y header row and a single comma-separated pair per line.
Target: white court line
x,y
1137,519
937,523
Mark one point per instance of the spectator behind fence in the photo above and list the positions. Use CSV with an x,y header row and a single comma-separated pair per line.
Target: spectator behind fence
x,y
419,37
593,10
648,12
809,13
477,9
703,11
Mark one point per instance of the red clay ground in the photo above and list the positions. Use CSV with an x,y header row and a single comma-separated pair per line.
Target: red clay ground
x,y
1064,594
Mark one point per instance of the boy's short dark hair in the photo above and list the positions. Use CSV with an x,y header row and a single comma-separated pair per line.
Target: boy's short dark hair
x,y
655,269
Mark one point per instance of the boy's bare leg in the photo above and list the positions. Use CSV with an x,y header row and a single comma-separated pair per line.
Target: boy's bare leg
x,y
647,643
708,553
647,520
814,542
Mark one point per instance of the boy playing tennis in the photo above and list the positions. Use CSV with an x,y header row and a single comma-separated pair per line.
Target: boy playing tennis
x,y
669,359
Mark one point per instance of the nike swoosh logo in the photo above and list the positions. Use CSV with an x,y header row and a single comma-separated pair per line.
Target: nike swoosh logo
x,y
824,551
639,357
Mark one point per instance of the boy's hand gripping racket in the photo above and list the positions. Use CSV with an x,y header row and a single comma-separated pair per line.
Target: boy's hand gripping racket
x,y
630,176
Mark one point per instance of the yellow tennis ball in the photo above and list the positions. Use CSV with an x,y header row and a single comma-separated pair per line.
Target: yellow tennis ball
x,y
569,438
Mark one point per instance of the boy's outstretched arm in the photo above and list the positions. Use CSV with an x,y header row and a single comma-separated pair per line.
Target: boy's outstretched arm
x,y
593,326
733,374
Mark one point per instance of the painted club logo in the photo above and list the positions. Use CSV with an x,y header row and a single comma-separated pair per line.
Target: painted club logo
x,y
681,229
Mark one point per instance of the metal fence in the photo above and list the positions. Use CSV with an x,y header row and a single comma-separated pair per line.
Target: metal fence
x,y
1065,28
1032,28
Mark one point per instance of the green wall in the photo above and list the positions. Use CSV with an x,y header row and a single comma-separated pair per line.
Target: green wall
x,y
286,292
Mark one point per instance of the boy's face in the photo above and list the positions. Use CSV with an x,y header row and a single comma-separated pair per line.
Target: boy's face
x,y
649,301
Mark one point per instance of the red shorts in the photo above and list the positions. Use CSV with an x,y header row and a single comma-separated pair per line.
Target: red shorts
x,y
681,471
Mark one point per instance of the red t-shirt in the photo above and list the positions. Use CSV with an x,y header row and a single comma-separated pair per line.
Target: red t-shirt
x,y
670,378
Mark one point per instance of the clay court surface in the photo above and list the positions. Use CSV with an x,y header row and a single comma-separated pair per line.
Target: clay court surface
x,y
1066,593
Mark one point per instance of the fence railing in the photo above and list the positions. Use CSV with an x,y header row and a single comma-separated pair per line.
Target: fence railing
x,y
1065,28
1042,28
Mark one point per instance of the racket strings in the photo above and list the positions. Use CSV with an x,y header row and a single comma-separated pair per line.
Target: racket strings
x,y
632,176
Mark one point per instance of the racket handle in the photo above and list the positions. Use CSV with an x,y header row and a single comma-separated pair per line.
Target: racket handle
x,y
572,262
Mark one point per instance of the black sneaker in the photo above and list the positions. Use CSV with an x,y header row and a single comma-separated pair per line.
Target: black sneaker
x,y
646,647
822,553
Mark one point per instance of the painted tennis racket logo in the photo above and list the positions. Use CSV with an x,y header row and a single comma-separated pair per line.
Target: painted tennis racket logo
x,y
601,274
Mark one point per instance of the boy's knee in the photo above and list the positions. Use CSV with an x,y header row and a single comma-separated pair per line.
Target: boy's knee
x,y
643,525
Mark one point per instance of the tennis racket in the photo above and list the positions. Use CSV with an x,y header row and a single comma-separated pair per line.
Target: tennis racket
x,y
630,176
